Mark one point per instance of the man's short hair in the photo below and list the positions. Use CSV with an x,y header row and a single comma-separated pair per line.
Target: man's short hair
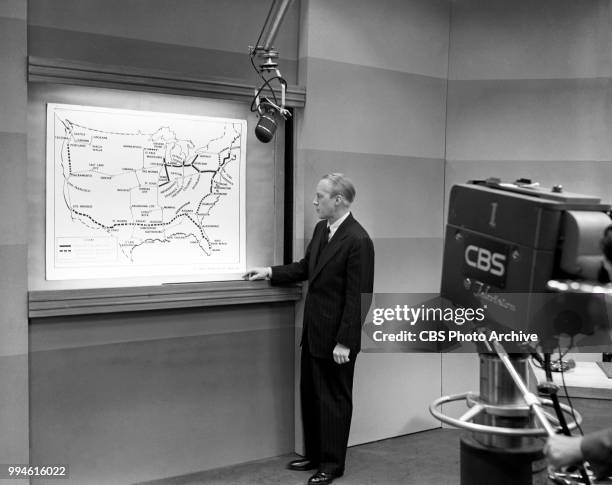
x,y
341,185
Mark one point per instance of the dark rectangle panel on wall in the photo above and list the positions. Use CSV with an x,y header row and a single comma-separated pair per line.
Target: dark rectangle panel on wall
x,y
497,39
354,108
189,61
141,410
401,35
529,120
396,196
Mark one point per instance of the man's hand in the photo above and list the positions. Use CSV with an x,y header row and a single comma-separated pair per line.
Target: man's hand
x,y
341,354
563,450
257,274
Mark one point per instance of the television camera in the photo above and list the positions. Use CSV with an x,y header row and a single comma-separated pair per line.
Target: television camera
x,y
530,256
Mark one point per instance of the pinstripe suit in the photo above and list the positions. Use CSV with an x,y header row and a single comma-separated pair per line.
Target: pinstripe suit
x,y
338,275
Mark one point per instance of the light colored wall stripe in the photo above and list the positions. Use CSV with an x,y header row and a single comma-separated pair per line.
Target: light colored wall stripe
x,y
401,35
408,265
362,109
558,39
530,120
378,417
16,9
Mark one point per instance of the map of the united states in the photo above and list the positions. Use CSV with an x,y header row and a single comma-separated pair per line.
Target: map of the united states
x,y
150,187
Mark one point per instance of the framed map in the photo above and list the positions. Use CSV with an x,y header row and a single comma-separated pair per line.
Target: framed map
x,y
138,193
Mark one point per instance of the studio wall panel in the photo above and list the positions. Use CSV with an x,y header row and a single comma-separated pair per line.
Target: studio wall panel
x,y
141,410
362,109
16,9
408,412
56,333
13,301
12,188
560,39
396,196
530,120
408,265
12,75
408,36
190,61
14,409
460,373
227,26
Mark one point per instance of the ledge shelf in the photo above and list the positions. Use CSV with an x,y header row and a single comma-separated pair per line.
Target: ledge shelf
x,y
52,303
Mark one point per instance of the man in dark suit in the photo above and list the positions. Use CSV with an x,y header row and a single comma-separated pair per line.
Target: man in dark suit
x,y
596,448
339,267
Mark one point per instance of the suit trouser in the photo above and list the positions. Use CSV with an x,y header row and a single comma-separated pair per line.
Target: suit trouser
x,y
326,391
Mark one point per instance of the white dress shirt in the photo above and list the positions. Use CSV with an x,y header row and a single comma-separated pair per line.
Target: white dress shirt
x,y
334,227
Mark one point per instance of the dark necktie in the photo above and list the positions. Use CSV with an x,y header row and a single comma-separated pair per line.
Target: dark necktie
x,y
324,241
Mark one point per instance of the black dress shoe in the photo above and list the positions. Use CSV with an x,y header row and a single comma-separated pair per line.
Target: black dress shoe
x,y
322,478
302,465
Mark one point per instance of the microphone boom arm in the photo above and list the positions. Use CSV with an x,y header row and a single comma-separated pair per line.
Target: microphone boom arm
x,y
268,71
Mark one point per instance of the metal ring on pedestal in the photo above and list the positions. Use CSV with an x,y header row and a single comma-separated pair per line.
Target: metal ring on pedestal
x,y
478,407
572,286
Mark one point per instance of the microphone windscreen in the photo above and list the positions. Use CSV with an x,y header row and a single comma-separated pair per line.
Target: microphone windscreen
x,y
266,127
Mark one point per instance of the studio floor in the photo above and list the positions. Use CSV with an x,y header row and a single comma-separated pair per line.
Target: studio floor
x,y
426,458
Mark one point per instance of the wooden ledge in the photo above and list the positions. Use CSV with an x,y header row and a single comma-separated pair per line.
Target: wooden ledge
x,y
52,303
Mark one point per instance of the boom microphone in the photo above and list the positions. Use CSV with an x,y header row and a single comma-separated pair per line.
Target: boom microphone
x,y
266,126
269,109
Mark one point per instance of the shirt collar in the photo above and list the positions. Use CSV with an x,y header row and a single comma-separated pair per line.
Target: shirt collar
x,y
334,227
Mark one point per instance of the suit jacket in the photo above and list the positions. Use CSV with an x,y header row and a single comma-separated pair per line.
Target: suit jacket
x,y
337,277
597,450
